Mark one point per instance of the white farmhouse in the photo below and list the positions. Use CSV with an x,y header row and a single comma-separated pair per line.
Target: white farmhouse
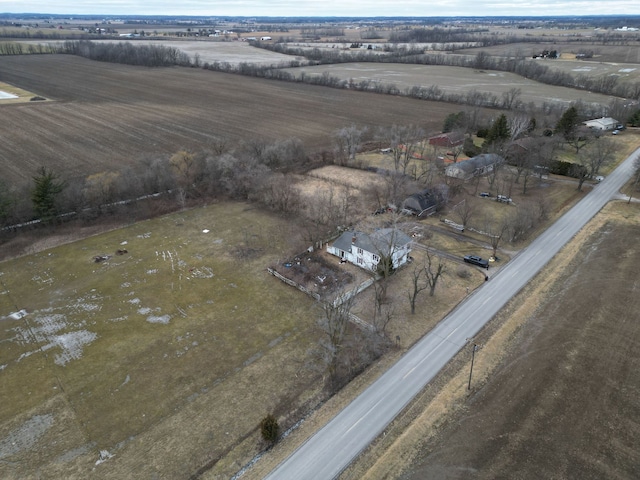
x,y
365,250
474,167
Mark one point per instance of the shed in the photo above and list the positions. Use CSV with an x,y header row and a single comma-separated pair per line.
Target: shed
x,y
423,203
604,123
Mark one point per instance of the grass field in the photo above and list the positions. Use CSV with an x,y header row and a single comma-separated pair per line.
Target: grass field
x,y
454,80
232,53
178,333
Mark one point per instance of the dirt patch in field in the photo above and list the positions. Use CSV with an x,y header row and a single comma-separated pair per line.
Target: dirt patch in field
x,y
555,384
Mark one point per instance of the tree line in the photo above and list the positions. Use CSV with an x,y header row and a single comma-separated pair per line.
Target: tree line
x,y
158,55
127,53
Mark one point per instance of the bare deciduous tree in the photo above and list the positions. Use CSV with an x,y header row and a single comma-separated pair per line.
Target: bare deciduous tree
x,y
510,98
404,142
518,125
347,142
598,154
464,211
495,231
280,193
433,270
417,285
333,323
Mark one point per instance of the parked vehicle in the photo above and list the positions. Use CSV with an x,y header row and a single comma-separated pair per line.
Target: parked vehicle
x,y
503,199
478,261
485,194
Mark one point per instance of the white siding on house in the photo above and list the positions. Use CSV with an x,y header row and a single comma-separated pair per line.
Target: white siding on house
x,y
355,248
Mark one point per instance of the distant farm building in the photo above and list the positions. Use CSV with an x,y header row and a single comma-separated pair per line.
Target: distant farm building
x,y
366,250
474,167
604,123
447,140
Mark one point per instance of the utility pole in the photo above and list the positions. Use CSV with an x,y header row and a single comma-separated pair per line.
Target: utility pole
x,y
473,354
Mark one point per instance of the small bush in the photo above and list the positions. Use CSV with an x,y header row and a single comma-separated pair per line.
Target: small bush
x,y
463,272
270,429
37,99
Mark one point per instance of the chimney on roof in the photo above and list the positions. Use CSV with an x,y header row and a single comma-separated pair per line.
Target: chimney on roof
x,y
353,239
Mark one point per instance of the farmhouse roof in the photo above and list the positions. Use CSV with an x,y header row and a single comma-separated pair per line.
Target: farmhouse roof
x,y
380,241
604,123
420,201
448,139
479,161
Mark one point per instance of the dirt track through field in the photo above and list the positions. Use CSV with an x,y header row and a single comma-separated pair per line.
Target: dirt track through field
x,y
108,116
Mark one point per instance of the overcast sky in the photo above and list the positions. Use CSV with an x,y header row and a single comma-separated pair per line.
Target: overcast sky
x,y
294,8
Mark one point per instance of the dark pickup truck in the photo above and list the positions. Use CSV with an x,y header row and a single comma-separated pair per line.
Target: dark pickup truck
x,y
479,261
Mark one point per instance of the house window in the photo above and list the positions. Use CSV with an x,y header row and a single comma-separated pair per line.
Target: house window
x,y
342,254
360,261
359,251
376,258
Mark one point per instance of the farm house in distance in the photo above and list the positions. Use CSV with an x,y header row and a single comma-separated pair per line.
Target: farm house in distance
x,y
474,167
447,140
604,123
365,250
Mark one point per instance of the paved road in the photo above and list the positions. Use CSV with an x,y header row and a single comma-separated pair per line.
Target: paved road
x,y
333,448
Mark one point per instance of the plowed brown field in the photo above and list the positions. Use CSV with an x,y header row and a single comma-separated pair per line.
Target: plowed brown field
x,y
107,116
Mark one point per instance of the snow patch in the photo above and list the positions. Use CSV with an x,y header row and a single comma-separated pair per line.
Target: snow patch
x,y
72,345
25,436
164,319
6,95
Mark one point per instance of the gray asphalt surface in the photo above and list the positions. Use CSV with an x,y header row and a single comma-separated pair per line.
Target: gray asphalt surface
x,y
332,448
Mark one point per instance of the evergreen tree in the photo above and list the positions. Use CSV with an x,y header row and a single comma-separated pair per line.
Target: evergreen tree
x,y
270,429
499,132
567,125
45,193
6,202
454,121
634,119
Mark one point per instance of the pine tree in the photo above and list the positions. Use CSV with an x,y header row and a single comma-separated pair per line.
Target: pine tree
x,y
499,132
270,429
567,124
45,193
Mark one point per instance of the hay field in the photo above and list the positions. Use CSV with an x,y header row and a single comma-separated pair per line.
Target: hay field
x,y
166,356
231,52
108,116
453,80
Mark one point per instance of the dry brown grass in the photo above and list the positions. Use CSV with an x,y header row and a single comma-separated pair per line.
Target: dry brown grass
x,y
429,428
